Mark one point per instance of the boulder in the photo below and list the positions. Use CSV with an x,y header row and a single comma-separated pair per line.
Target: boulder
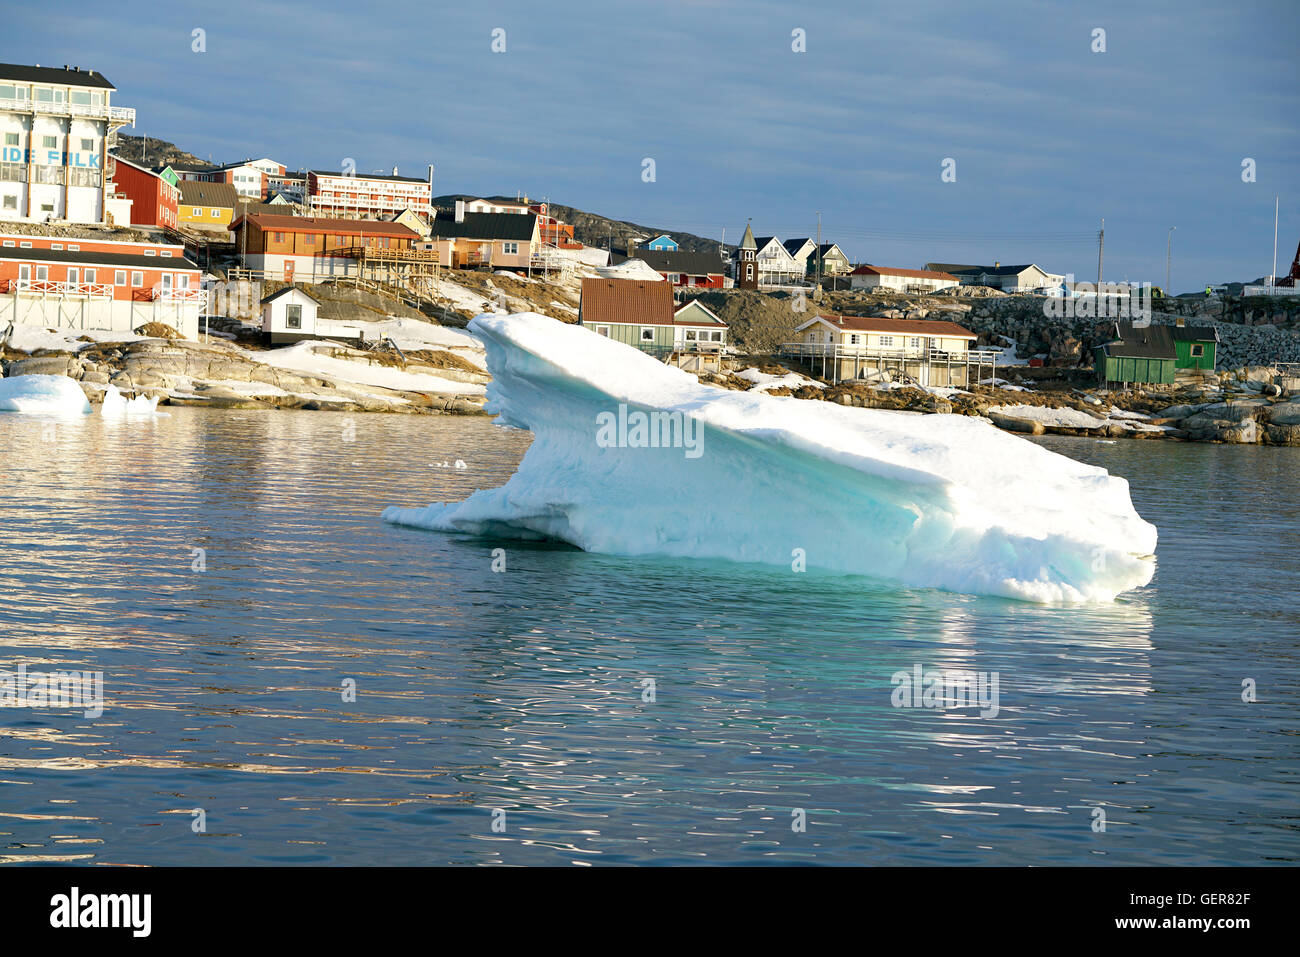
x,y
1012,424
60,364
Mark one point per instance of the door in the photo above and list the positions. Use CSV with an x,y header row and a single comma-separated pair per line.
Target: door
x,y
288,270
166,285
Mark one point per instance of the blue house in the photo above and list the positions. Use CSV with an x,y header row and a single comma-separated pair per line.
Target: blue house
x,y
661,243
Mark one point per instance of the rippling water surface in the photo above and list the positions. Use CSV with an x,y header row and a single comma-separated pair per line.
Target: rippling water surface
x,y
523,691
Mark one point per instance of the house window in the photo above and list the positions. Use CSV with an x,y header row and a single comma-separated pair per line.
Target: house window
x,y
87,146
137,279
195,211
853,340
167,253
717,336
691,335
74,247
151,252
602,330
24,245
49,142
11,139
119,277
647,334
1198,351
90,275
293,317
216,213
510,249
11,202
915,342
56,245
886,341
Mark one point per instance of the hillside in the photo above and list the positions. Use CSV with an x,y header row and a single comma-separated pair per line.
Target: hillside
x,y
595,230
151,151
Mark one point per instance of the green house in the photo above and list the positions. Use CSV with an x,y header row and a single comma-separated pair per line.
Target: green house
x,y
1196,347
1137,354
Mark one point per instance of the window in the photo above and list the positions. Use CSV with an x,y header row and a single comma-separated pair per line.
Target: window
x,y
11,139
716,336
56,245
602,330
73,277
137,279
853,340
647,334
74,247
691,335
151,252
10,92
87,145
167,253
119,277
90,275
1198,351
216,214
293,317
886,341
50,142
195,211
279,237
24,245
915,342
510,249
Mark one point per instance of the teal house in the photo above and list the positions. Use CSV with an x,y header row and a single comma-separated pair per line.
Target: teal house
x,y
1136,355
663,243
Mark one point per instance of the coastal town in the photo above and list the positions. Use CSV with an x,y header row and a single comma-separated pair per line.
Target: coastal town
x,y
250,284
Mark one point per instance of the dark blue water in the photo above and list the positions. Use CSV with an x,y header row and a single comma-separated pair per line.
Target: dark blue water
x,y
520,696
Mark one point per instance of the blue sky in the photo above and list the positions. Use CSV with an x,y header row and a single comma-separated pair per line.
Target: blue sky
x,y
1048,137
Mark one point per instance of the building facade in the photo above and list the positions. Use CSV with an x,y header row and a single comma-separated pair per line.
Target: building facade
x,y
901,280
310,249
155,196
343,195
62,283
928,352
207,206
56,128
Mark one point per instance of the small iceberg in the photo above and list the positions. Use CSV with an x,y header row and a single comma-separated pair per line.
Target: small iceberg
x,y
43,394
633,457
115,404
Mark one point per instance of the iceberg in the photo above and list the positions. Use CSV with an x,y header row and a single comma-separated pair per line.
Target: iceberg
x,y
632,457
42,394
116,404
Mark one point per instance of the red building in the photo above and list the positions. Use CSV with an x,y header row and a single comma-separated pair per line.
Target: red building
x,y
126,272
153,200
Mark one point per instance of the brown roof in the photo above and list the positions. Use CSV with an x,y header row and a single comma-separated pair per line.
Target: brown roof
x,y
891,271
902,327
194,193
326,224
635,301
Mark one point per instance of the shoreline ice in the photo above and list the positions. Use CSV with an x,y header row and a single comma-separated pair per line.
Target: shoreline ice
x,y
939,501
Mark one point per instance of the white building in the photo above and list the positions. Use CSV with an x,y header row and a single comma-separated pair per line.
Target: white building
x,y
776,266
289,315
901,280
56,128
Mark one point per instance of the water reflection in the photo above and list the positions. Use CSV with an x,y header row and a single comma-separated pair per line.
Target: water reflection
x,y
526,691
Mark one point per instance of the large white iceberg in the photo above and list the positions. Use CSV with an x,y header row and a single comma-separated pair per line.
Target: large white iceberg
x,y
45,394
927,500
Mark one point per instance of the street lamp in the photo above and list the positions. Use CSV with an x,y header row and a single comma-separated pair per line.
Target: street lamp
x,y
1169,246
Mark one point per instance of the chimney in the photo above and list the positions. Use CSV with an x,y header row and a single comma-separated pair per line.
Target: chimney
x,y
996,264
394,170
460,211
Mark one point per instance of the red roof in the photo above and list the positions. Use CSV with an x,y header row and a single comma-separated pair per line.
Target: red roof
x,y
911,273
902,327
635,301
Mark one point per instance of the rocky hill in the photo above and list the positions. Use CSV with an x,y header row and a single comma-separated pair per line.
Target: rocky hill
x,y
151,151
596,230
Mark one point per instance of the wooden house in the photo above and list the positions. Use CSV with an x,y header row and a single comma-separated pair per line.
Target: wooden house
x,y
1136,354
641,314
928,352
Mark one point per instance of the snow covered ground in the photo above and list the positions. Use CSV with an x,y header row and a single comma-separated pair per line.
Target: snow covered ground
x,y
410,334
764,381
302,357
742,476
1069,418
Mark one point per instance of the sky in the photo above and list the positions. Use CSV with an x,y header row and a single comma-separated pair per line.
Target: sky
x,y
752,110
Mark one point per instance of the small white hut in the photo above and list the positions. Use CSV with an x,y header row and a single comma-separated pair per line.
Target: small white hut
x,y
288,315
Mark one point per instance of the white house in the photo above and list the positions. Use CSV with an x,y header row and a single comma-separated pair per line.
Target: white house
x,y
776,266
901,280
288,315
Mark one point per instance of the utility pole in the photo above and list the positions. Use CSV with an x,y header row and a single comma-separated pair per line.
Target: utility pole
x,y
819,249
1272,277
1101,249
1169,248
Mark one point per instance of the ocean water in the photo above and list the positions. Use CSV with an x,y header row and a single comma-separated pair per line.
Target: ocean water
x,y
585,709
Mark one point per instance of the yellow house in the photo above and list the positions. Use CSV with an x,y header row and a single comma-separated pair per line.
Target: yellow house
x,y
207,205
928,352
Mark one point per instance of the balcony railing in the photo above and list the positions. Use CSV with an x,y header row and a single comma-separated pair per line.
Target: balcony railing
x,y
71,290
180,295
119,114
836,350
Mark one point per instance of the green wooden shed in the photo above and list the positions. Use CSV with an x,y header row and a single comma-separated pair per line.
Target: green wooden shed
x,y
1137,354
1196,347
